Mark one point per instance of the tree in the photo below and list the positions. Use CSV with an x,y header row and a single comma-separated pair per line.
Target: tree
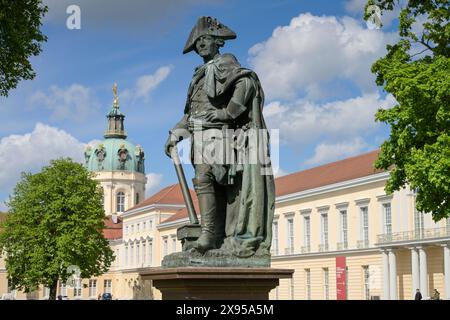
x,y
55,221
20,38
416,71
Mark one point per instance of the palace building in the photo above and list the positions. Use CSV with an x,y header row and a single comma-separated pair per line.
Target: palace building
x,y
334,225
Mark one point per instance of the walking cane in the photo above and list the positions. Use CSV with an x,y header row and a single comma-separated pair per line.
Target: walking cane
x,y
187,234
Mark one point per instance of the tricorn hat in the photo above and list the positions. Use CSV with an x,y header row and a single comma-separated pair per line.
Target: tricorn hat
x,y
207,26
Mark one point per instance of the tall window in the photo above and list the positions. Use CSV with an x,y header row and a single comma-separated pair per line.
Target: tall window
x,y
174,244
275,238
126,255
46,292
308,283
419,224
150,252
117,258
108,286
77,289
132,229
138,261
144,225
62,289
138,227
165,246
324,231
144,253
290,235
92,288
366,282
307,231
126,230
344,237
150,224
387,218
132,254
120,199
365,225
137,198
326,284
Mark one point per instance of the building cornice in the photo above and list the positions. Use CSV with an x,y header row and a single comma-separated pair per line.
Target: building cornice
x,y
171,224
136,211
325,253
383,176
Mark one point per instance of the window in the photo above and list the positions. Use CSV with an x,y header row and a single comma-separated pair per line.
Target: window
x,y
62,289
324,231
144,225
307,231
46,292
77,289
132,229
290,235
174,244
365,225
344,238
150,224
150,252
126,255
326,284
418,222
366,282
138,227
275,238
137,198
108,286
144,253
308,283
387,218
120,198
165,246
126,229
117,258
132,255
138,261
92,288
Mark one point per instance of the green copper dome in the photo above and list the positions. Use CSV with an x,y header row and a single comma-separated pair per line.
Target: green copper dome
x,y
115,153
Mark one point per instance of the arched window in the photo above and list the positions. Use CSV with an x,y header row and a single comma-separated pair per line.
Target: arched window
x,y
120,201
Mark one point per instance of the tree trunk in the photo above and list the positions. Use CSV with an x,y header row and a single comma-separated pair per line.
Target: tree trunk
x,y
53,288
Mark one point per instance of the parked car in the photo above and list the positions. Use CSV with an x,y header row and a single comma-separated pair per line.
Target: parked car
x,y
106,296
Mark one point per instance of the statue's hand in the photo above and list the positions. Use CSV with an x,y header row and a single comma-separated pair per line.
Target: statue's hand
x,y
217,115
170,143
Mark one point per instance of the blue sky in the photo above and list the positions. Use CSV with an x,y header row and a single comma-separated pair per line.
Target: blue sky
x,y
313,58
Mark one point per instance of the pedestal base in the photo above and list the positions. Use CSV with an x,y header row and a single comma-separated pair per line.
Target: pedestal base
x,y
216,283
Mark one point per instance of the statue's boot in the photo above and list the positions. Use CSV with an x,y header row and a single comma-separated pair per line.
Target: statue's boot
x,y
207,239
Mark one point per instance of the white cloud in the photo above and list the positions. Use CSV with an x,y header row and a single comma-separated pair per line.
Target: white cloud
x,y
304,123
153,183
305,57
31,151
278,172
325,153
147,83
75,102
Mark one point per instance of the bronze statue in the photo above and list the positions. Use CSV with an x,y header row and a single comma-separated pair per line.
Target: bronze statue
x,y
223,116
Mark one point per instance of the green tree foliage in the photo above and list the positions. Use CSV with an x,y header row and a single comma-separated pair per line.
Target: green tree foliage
x,y
55,221
20,38
416,71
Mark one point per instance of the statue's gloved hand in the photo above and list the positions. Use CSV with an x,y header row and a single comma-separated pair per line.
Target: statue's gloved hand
x,y
217,116
171,142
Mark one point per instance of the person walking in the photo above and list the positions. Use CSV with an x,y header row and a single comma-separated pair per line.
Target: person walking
x,y
418,295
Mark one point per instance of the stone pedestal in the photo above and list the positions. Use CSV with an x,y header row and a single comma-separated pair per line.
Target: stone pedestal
x,y
191,283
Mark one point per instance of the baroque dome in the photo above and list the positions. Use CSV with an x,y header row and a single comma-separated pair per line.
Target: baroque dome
x,y
115,153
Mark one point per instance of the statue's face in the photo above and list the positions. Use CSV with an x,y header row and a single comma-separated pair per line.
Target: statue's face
x,y
206,47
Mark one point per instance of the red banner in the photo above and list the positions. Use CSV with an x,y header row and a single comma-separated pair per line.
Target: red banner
x,y
341,290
